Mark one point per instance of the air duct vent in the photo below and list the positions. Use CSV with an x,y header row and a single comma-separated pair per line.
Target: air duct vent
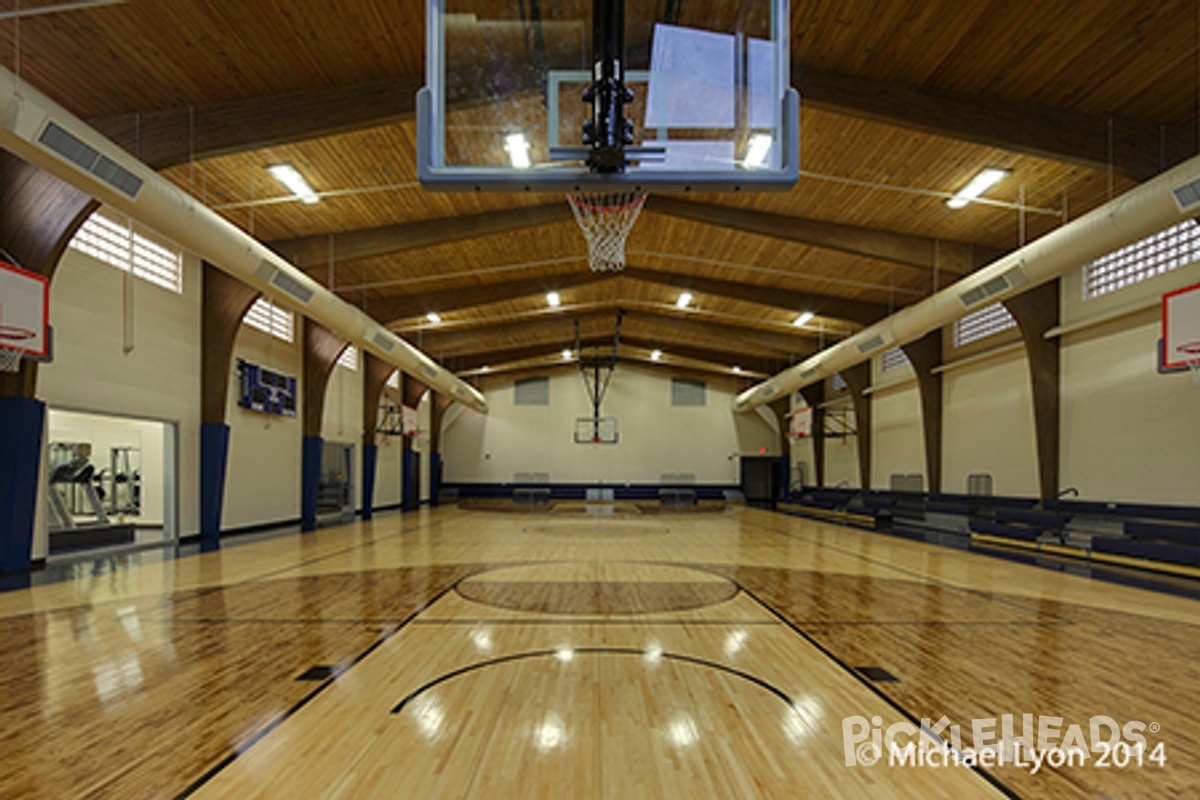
x,y
67,145
292,287
383,341
1016,276
265,271
58,140
973,297
460,391
429,371
1187,196
811,372
118,177
993,287
874,343
767,391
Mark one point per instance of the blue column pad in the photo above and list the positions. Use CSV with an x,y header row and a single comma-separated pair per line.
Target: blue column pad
x,y
409,498
435,477
21,423
370,455
310,478
214,461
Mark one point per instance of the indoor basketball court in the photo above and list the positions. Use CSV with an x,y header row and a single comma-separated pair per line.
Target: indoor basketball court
x,y
601,400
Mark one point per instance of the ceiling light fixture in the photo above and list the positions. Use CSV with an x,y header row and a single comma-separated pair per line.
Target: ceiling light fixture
x,y
294,181
518,150
803,319
986,179
566,354
684,299
655,355
757,151
553,299
434,317
737,369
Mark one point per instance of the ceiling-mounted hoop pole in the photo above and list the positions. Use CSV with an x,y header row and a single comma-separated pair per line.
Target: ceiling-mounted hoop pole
x,y
608,131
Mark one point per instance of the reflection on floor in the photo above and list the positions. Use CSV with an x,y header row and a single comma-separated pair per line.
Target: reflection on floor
x,y
459,653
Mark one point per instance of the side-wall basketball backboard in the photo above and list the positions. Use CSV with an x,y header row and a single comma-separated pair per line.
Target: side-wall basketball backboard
x,y
1181,330
708,105
24,308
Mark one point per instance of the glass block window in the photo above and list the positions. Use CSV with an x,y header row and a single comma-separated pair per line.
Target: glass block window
x,y
349,358
687,393
987,321
270,318
839,383
892,359
119,245
394,380
1166,250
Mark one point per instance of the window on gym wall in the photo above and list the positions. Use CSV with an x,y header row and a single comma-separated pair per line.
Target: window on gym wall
x,y
119,244
270,318
892,359
987,321
1166,250
687,393
532,392
349,358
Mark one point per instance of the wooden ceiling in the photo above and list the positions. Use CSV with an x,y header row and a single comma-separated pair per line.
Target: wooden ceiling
x,y
900,102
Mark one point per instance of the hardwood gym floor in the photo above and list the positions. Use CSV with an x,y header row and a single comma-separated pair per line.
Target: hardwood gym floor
x,y
468,653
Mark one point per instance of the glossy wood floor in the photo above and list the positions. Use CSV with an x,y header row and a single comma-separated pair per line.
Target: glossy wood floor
x,y
464,653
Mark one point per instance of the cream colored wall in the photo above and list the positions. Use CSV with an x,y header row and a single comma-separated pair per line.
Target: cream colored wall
x,y
988,425
1128,433
158,379
262,482
841,458
655,437
896,435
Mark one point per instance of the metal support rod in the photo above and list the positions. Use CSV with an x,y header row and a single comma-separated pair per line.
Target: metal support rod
x,y
608,131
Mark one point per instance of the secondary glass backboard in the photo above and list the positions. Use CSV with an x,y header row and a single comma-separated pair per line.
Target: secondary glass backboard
x,y
712,108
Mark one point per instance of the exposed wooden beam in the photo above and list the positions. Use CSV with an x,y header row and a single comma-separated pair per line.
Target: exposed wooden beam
x,y
958,258
682,327
313,251
166,137
1138,149
822,305
722,358
391,309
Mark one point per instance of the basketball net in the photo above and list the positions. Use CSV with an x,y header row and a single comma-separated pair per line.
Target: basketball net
x,y
606,219
1192,353
10,360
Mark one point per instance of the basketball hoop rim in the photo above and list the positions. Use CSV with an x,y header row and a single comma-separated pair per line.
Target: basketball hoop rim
x,y
1189,349
15,333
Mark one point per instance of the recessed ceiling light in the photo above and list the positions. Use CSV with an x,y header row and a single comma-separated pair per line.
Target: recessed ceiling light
x,y
566,354
803,319
684,299
737,369
518,150
294,181
485,368
986,179
553,299
757,150
434,317
655,355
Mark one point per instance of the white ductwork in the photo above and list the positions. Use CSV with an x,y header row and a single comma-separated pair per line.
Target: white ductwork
x,y
38,130
1147,209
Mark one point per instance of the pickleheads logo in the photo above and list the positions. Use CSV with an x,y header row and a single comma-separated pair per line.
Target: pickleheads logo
x,y
1028,741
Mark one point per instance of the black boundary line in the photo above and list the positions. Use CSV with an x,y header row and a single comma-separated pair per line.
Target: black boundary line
x,y
862,679
216,769
623,651
993,596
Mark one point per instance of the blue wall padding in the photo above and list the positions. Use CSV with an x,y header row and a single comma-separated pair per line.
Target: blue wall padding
x,y
370,456
21,423
214,461
310,479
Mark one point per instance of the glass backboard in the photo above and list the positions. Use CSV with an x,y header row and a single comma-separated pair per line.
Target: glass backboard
x,y
712,109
